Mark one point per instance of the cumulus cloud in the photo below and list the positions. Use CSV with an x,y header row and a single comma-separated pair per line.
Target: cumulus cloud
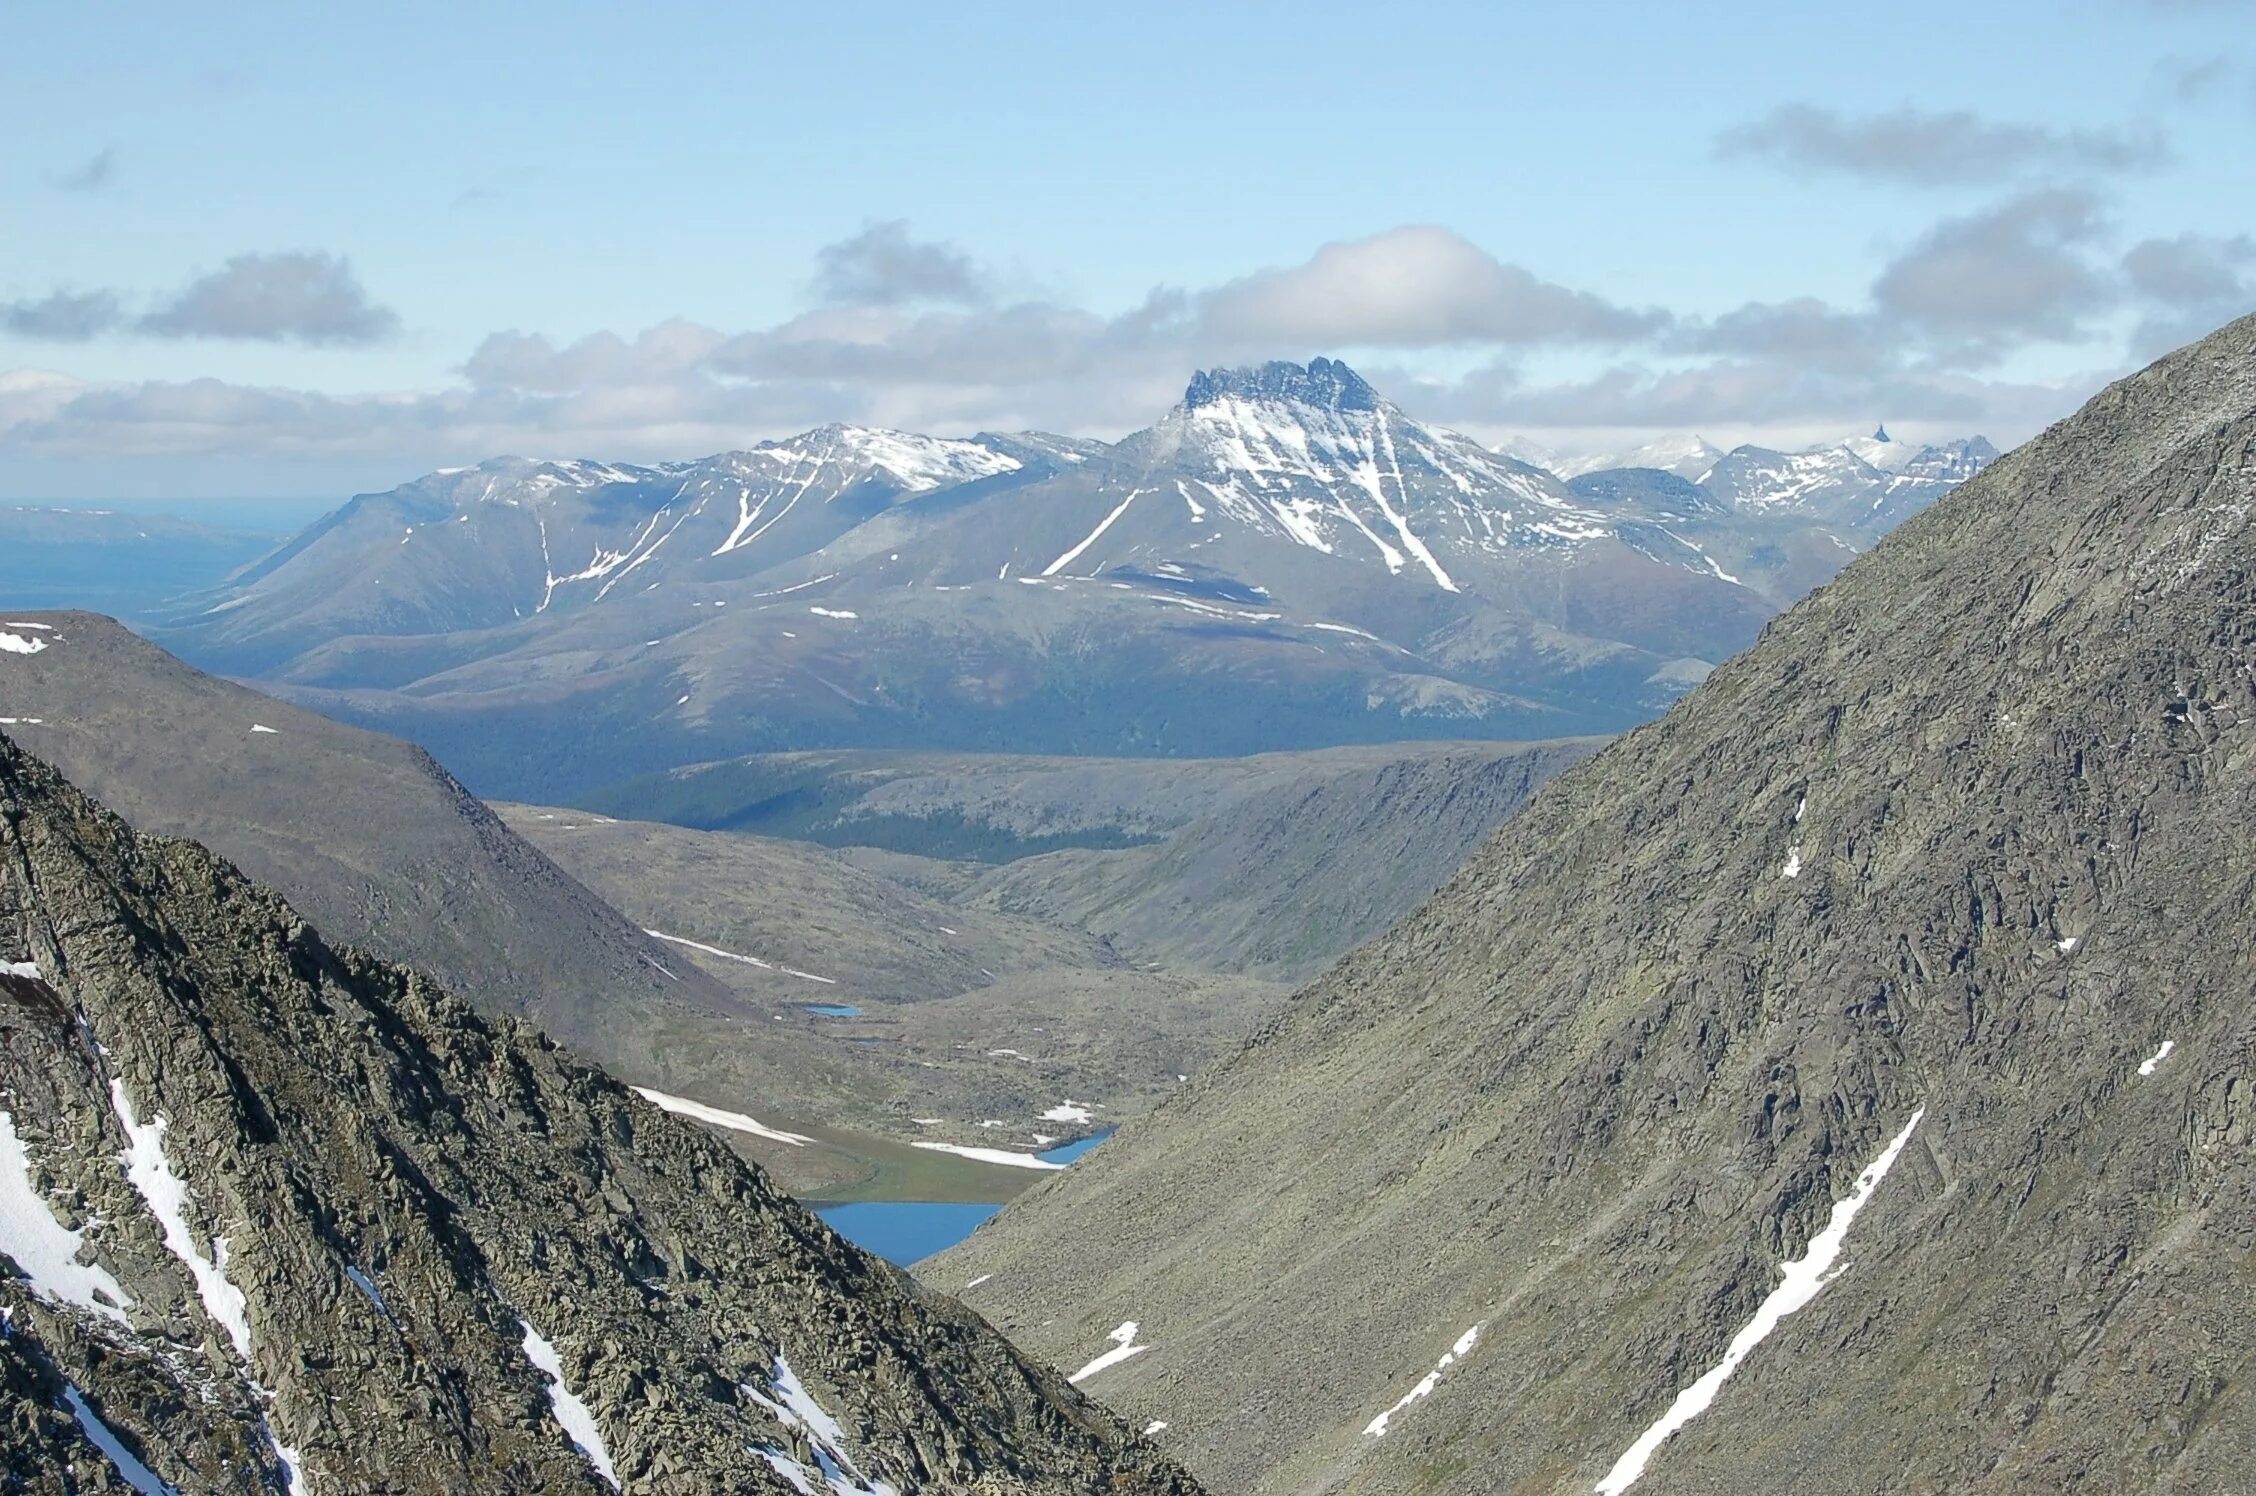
x,y
1987,281
91,175
296,297
62,316
1416,287
1804,331
1921,148
2187,285
928,342
883,266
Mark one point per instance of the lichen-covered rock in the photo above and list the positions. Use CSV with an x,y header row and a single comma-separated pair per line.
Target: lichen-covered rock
x,y
331,1223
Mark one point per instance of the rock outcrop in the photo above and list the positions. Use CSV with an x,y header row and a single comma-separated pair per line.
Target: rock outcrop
x,y
275,1216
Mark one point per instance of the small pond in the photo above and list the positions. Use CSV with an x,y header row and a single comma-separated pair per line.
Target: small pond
x,y
906,1231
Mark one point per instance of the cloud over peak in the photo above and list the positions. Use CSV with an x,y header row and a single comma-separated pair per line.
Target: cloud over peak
x,y
1420,286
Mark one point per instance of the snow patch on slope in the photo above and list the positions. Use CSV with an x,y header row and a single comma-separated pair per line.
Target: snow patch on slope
x,y
682,1106
1801,1283
129,1468
1001,1156
578,1422
798,1409
1123,1348
42,1246
166,1195
1377,1427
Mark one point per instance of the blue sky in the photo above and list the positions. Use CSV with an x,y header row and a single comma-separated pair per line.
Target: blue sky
x,y
305,250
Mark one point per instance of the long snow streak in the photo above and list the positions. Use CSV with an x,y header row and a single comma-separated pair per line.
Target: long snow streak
x,y
122,1460
714,950
166,1195
1103,525
578,1422
1377,1427
800,1410
1001,1156
735,1121
1800,1284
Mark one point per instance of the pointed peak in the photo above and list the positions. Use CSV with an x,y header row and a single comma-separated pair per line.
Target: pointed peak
x,y
1323,382
1880,434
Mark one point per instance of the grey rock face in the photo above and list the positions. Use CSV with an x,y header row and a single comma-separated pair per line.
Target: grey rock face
x,y
322,1211
1965,838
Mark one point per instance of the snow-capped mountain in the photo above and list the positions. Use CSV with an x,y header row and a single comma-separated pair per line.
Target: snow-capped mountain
x,y
1865,482
1285,558
1682,453
1868,483
514,538
1256,464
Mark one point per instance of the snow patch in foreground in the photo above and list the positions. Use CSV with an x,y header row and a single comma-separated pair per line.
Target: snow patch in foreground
x,y
800,1410
122,1460
262,727
368,1289
1070,1111
1123,1346
682,1106
1800,1284
1793,867
2147,1066
166,1195
1377,1427
18,644
579,1423
42,1246
21,969
1001,1156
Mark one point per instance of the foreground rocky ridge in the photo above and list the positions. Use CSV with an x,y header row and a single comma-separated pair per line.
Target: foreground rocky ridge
x,y
1951,871
327,1222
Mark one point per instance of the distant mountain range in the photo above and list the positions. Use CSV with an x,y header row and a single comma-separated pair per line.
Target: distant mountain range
x,y
1285,559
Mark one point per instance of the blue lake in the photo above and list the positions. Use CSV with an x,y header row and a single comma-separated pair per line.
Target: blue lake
x,y
832,1010
1066,1153
906,1231
903,1231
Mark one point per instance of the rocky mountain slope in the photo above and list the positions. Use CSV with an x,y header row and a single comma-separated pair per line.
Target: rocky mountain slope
x,y
1840,1084
1287,879
367,835
279,1216
1284,560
